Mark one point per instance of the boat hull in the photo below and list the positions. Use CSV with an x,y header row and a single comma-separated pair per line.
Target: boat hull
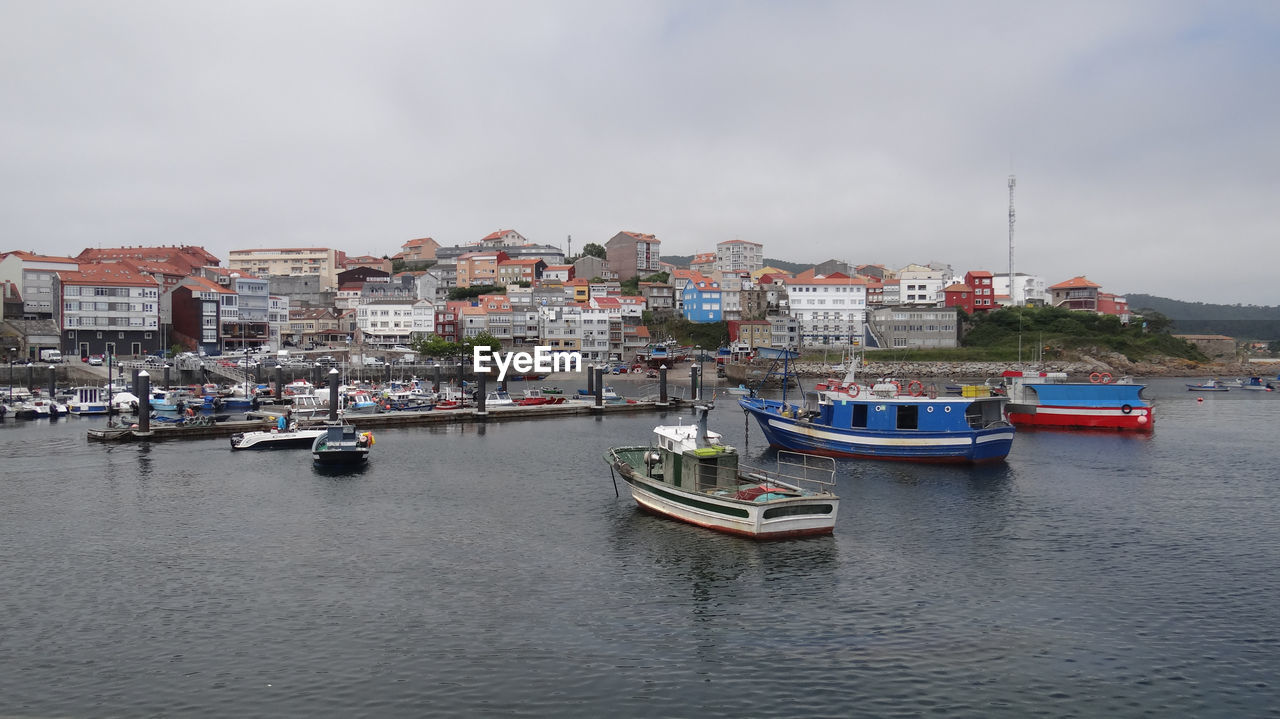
x,y
971,447
1137,419
274,440
340,457
816,516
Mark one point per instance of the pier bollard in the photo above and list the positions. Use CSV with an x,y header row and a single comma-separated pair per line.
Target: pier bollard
x,y
333,395
134,386
662,386
31,376
315,376
693,383
481,389
53,381
591,380
167,385
598,372
461,382
279,393
387,371
435,379
144,403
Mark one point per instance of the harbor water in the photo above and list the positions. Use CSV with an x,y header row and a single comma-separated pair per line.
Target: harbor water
x,y
489,569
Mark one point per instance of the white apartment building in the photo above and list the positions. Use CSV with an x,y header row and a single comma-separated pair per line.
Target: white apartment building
x,y
595,334
35,277
921,285
288,261
560,327
828,311
739,256
390,322
277,321
108,309
1031,288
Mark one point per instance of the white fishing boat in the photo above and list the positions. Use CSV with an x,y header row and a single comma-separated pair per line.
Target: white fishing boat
x,y
87,400
276,439
689,474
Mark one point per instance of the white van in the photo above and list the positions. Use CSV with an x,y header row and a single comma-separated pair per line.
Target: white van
x,y
51,356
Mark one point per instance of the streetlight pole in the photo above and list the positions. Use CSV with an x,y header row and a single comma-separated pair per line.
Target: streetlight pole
x,y
12,352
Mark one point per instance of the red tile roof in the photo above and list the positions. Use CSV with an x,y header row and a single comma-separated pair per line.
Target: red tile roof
x,y
114,274
1075,282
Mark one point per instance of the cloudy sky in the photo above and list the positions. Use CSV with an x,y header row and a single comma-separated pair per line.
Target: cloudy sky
x,y
1144,135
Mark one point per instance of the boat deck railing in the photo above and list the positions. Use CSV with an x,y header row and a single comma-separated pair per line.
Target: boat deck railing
x,y
807,472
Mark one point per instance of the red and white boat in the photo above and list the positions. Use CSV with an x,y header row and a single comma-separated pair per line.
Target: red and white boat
x,y
1051,400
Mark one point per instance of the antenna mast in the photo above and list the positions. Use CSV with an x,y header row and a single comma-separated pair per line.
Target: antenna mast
x,y
570,252
1013,292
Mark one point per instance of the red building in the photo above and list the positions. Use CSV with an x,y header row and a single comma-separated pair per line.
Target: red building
x,y
984,293
958,295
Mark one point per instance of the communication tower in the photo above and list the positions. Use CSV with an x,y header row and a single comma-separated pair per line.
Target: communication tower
x,y
1013,292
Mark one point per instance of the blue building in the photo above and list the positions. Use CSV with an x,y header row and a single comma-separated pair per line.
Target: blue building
x,y
701,297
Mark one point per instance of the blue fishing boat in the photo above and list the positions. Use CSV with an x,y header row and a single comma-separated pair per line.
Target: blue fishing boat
x,y
884,421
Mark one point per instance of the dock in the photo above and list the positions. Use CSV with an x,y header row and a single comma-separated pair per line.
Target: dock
x,y
408,418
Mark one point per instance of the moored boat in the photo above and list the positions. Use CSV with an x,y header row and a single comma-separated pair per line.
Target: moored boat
x,y
87,400
1051,400
341,444
883,423
689,474
276,439
1255,384
1209,385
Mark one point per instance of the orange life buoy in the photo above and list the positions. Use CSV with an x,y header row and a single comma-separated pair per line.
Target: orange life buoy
x,y
1096,377
915,388
1106,378
853,390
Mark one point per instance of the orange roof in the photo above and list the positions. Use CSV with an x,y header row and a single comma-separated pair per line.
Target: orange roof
x,y
641,236
204,284
33,257
419,242
115,274
841,280
703,258
495,235
957,287
1075,282
979,273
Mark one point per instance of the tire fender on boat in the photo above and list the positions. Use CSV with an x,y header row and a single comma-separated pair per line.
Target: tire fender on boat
x,y
1126,408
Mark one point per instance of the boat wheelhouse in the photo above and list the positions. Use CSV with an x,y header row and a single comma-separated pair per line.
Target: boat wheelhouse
x,y
87,400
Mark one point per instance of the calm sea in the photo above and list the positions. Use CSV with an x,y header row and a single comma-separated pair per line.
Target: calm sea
x,y
491,570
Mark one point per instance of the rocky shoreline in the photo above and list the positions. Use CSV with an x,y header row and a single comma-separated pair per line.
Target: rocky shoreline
x,y
1116,365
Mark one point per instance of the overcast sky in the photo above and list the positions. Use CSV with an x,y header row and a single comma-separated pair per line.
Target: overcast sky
x,y
1145,136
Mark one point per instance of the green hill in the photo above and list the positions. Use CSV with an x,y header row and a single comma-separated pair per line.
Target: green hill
x,y
1243,322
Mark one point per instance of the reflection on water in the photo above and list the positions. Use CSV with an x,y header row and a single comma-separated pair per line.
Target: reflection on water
x,y
490,568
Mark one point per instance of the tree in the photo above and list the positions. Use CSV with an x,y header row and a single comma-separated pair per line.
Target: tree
x,y
594,250
434,345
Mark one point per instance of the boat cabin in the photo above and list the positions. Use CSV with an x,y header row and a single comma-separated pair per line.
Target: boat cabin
x,y
896,413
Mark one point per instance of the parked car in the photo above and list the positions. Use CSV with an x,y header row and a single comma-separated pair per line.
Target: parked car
x,y
95,360
326,360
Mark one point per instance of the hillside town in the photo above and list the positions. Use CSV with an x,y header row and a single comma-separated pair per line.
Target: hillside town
x,y
607,302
